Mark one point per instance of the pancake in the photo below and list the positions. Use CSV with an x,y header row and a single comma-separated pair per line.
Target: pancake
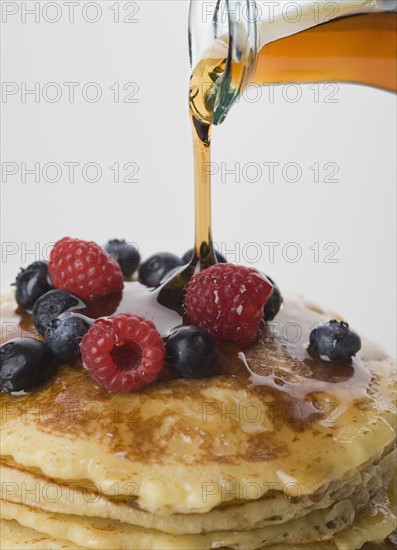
x,y
34,489
277,449
114,535
111,535
16,537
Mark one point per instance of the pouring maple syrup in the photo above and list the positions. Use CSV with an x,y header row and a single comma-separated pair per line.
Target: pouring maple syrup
x,y
357,49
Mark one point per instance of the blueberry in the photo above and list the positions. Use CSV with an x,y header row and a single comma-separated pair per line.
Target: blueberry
x,y
63,335
274,304
52,304
191,352
335,341
25,364
155,268
31,283
125,254
189,255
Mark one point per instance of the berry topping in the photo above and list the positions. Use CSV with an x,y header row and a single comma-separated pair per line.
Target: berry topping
x,y
123,352
189,255
84,268
25,364
64,334
274,304
155,268
51,305
227,301
125,254
31,283
191,352
334,341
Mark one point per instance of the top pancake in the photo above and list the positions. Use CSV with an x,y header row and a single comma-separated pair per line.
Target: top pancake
x,y
274,419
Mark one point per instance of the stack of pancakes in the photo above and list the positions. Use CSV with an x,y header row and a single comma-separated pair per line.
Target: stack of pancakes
x,y
279,450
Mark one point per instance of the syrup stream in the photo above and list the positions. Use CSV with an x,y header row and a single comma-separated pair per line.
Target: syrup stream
x,y
359,49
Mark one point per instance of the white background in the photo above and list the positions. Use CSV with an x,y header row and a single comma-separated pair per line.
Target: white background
x,y
357,132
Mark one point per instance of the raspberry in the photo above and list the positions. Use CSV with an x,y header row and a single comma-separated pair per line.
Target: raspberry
x,y
84,268
227,301
123,352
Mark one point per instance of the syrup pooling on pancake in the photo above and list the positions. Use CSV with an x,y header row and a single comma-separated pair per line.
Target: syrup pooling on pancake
x,y
281,361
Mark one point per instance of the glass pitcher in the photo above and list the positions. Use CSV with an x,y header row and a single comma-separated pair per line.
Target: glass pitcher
x,y
237,42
